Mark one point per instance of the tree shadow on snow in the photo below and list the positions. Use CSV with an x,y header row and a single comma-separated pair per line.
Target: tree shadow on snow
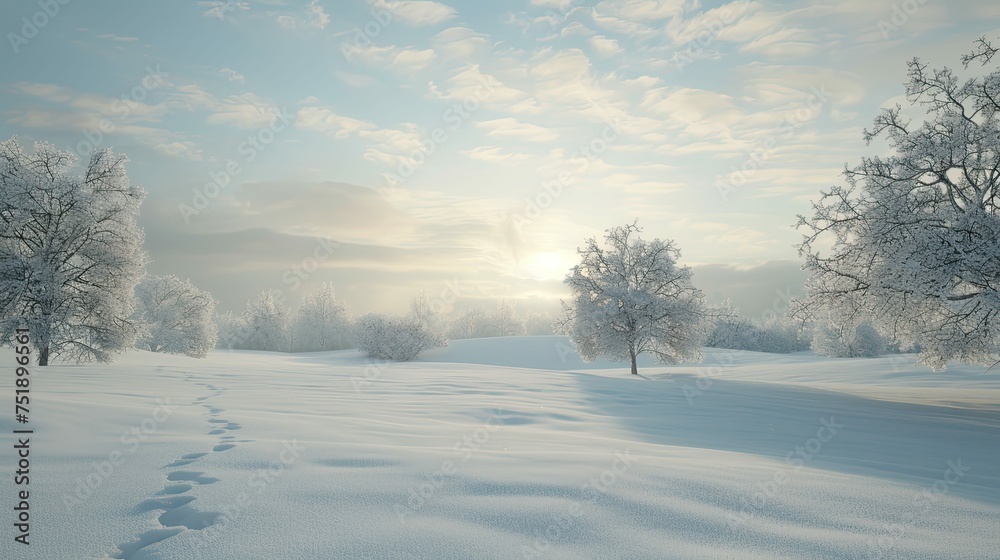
x,y
905,442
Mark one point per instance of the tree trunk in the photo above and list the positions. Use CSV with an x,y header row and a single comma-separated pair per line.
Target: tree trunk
x,y
631,355
43,355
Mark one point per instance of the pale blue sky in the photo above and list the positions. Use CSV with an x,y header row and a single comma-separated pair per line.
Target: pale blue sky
x,y
671,97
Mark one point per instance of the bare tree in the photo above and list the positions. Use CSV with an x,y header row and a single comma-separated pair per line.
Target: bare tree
x,y
470,323
505,320
422,309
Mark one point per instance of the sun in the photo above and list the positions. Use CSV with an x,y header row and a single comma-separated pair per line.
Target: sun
x,y
546,265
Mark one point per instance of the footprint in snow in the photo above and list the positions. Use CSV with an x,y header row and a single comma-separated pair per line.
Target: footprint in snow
x,y
175,489
196,477
178,512
186,460
129,549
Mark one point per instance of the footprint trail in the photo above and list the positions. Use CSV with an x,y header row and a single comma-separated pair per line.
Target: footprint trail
x,y
177,507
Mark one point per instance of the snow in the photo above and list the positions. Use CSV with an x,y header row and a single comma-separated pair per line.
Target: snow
x,y
501,436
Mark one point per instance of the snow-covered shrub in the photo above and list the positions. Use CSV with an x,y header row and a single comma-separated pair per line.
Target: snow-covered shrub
x,y
174,316
386,337
779,335
231,331
730,330
264,325
838,340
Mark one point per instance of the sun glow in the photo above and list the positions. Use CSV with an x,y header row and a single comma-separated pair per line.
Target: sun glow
x,y
546,265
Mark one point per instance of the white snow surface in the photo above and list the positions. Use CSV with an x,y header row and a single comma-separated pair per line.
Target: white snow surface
x,y
486,448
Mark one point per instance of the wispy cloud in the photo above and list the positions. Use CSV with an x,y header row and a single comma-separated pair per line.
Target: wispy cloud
x,y
417,12
233,75
324,119
118,38
510,127
223,10
493,154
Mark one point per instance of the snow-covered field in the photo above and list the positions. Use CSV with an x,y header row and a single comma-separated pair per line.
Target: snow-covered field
x,y
508,448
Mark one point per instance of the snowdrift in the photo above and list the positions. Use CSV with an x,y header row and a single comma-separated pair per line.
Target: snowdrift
x,y
510,448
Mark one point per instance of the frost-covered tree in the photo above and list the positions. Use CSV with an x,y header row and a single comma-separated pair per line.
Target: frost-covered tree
x,y
780,335
70,251
265,324
730,330
322,322
175,317
231,329
480,322
837,340
505,321
632,297
539,323
911,242
423,310
394,338
469,323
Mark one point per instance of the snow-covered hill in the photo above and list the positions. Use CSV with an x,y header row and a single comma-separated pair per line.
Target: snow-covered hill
x,y
508,448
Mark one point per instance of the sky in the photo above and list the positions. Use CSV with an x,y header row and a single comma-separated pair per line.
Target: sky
x,y
465,148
